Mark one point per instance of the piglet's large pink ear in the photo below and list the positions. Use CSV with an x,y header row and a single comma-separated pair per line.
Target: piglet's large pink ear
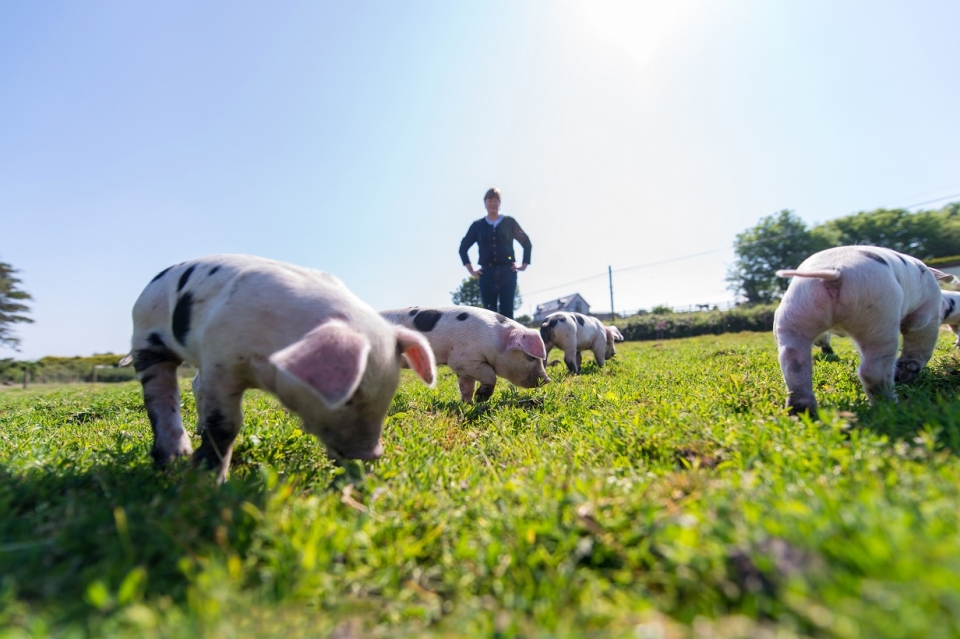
x,y
329,360
416,350
529,342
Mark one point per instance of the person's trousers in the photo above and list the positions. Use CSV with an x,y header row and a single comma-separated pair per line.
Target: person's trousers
x,y
498,285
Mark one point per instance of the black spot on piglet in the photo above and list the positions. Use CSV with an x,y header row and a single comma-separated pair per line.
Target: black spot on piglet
x,y
181,317
546,331
873,256
186,276
160,274
425,320
462,316
579,318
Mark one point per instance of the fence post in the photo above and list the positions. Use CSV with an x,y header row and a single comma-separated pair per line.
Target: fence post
x,y
26,377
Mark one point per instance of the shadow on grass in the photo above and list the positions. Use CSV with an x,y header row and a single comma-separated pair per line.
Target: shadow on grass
x,y
511,397
64,529
930,403
826,357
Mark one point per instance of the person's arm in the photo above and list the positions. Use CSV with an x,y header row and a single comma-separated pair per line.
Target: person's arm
x,y
469,240
524,239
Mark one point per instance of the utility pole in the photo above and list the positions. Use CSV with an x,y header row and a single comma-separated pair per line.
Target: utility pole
x,y
610,275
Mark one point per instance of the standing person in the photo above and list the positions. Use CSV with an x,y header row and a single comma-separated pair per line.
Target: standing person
x,y
494,236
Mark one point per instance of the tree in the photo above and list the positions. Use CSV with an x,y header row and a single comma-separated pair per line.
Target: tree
x,y
778,241
783,241
11,306
924,235
469,294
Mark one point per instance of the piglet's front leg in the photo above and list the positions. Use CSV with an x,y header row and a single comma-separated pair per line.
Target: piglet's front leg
x,y
471,371
467,387
221,420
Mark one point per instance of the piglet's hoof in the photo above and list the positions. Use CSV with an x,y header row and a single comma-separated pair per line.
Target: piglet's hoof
x,y
907,370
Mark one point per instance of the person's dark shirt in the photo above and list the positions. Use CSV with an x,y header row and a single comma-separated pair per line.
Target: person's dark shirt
x,y
495,242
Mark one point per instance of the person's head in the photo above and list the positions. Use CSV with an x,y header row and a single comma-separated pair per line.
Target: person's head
x,y
491,200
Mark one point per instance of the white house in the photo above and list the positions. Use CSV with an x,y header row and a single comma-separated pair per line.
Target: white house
x,y
571,304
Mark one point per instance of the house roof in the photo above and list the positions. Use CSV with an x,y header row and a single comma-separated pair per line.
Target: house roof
x,y
557,304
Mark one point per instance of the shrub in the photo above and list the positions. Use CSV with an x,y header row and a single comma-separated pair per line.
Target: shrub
x,y
673,325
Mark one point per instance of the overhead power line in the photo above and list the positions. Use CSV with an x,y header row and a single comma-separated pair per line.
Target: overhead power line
x,y
711,251
939,199
667,261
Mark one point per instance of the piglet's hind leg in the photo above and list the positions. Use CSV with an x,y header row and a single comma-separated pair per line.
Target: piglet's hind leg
x,y
918,348
796,365
156,369
877,366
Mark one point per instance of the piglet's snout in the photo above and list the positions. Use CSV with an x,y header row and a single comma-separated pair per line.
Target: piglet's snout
x,y
369,454
539,380
376,453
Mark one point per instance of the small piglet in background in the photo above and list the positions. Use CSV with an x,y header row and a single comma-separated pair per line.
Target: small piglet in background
x,y
573,333
873,295
250,322
478,345
950,313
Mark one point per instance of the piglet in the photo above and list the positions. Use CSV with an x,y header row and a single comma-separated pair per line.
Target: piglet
x,y
950,313
478,345
573,333
249,322
873,295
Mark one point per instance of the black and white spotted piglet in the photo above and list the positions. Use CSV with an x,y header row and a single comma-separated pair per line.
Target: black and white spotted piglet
x,y
574,332
478,345
249,322
873,295
950,313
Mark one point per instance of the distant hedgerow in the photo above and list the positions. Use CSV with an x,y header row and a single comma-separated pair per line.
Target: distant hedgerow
x,y
674,325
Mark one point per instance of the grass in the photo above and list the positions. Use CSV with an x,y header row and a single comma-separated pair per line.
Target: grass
x,y
665,495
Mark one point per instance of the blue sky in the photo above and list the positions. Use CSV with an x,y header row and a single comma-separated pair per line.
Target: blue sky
x,y
359,138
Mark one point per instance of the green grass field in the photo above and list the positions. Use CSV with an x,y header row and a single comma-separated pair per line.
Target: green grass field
x,y
665,495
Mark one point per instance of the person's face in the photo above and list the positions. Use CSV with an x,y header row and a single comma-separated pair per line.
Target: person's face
x,y
493,205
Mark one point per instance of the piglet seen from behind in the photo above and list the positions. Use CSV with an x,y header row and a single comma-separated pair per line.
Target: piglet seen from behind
x,y
873,295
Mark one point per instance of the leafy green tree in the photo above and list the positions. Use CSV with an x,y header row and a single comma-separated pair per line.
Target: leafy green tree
x,y
778,241
11,307
924,235
469,294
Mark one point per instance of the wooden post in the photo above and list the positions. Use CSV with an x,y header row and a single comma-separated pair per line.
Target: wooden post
x,y
610,275
26,377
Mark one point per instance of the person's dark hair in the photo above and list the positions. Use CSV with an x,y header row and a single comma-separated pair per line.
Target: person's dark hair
x,y
494,192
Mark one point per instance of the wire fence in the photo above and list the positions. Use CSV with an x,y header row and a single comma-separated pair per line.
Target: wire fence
x,y
95,374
